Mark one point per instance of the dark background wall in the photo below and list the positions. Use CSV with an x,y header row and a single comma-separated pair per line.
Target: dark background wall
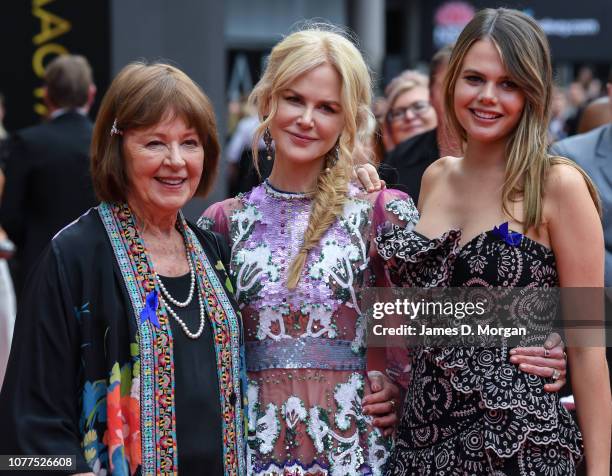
x,y
190,35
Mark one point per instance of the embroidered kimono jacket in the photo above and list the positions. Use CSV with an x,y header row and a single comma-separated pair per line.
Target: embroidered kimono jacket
x,y
91,373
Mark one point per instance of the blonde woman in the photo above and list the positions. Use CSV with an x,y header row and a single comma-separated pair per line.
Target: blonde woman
x,y
300,255
409,110
488,417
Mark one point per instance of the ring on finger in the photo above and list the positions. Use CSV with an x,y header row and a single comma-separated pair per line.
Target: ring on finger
x,y
392,402
546,352
555,375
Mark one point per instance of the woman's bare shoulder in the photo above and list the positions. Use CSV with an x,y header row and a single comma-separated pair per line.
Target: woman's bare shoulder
x,y
439,169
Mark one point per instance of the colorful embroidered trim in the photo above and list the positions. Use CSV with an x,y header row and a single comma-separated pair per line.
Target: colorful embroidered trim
x,y
157,381
157,368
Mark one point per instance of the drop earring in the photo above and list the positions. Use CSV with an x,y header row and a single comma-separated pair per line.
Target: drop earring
x,y
332,159
267,138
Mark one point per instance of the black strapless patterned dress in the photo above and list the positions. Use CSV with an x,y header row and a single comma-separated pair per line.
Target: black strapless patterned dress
x,y
468,410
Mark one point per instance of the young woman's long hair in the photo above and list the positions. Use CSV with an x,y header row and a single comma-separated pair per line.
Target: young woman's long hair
x,y
525,52
297,54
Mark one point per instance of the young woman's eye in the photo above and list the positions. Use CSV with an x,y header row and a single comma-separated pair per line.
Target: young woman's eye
x,y
473,79
293,99
328,108
509,85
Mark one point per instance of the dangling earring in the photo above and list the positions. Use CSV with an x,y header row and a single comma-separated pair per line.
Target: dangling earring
x,y
333,158
267,138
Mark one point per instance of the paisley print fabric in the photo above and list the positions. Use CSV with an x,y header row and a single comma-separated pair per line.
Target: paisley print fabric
x,y
468,410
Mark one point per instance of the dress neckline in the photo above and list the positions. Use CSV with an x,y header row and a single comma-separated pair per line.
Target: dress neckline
x,y
276,193
524,238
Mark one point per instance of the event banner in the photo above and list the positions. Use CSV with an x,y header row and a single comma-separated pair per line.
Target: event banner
x,y
36,31
577,31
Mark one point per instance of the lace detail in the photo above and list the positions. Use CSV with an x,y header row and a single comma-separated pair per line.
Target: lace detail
x,y
264,424
341,444
305,348
205,223
251,266
404,210
468,408
415,261
279,194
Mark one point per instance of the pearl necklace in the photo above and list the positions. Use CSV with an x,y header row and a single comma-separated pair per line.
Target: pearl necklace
x,y
185,303
186,330
176,302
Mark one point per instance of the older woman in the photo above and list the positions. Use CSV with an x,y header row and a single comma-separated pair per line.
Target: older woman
x,y
409,111
127,347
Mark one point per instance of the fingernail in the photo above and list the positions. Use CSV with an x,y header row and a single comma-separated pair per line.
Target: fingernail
x,y
512,351
514,359
522,366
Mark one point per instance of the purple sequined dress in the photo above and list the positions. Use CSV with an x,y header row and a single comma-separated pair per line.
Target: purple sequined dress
x,y
305,349
468,410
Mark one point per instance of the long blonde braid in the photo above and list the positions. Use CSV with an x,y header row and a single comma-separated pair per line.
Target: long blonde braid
x,y
297,54
327,204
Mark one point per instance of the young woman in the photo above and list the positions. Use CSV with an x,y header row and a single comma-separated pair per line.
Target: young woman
x,y
488,417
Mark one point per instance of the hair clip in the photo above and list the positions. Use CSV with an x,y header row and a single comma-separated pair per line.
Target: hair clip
x,y
114,130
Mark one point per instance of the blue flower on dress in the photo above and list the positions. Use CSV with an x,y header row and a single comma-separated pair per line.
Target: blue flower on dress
x,y
149,312
511,238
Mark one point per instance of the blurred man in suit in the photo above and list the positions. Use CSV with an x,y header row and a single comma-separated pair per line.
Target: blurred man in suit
x,y
47,168
593,152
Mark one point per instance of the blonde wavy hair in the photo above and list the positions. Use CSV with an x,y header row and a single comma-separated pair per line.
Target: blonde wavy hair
x,y
297,54
525,53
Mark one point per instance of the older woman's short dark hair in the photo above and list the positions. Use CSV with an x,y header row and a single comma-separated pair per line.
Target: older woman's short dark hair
x,y
141,96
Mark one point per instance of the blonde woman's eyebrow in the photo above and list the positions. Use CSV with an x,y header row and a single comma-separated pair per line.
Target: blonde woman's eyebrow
x,y
323,101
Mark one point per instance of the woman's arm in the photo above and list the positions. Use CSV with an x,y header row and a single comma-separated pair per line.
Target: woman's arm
x,y
577,240
214,218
